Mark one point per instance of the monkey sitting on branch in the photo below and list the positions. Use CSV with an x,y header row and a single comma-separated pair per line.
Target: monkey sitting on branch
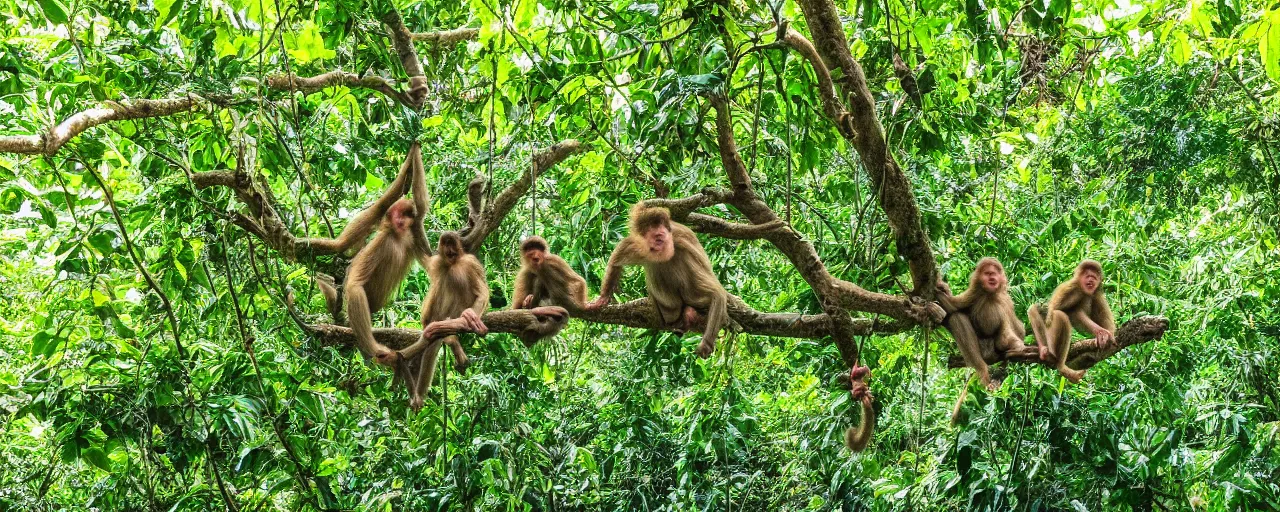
x,y
677,273
377,269
1079,302
983,311
459,294
545,279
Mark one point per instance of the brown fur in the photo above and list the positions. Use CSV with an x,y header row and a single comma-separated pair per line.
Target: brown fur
x,y
549,282
1070,307
458,283
377,269
977,314
858,437
679,279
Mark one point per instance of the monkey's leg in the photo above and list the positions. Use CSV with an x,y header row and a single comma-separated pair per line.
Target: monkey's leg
x,y
967,340
1039,332
332,299
460,360
717,317
432,331
362,324
426,372
1060,339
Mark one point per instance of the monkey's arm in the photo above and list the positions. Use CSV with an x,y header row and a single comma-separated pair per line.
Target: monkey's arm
x,y
624,254
963,301
367,220
521,289
481,287
421,201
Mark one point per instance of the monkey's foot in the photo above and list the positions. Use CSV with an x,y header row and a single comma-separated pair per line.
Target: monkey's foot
x,y
1075,376
389,358
705,349
988,383
1045,354
461,365
557,312
415,403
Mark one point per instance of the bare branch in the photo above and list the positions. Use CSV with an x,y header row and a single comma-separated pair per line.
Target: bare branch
x,y
50,142
446,37
497,210
309,85
716,226
1084,354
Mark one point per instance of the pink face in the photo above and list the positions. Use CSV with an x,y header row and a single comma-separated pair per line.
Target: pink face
x,y
992,278
659,241
535,257
400,219
1089,281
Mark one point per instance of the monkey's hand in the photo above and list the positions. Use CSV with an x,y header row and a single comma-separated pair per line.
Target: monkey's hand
x,y
474,323
600,302
1105,338
527,302
943,288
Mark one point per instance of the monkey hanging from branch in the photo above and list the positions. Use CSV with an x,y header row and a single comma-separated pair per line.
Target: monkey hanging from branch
x,y
1079,302
378,267
677,273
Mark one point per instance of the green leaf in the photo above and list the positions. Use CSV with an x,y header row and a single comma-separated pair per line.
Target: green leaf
x,y
54,11
97,457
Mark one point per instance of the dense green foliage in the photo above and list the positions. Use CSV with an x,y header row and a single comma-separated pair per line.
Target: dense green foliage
x,y
1142,135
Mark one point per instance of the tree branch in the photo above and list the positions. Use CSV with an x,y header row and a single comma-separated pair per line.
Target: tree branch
x,y
446,37
50,142
402,40
309,85
862,128
501,205
1084,354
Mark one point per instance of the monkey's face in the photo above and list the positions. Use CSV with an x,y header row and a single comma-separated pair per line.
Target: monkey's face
x,y
992,279
1089,281
401,219
658,241
535,257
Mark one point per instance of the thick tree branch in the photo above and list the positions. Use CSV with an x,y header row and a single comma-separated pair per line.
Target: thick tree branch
x,y
446,37
50,142
402,40
716,226
860,125
1084,354
638,313
832,292
309,85
501,205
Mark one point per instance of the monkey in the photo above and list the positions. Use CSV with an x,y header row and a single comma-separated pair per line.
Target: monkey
x,y
545,279
678,274
378,267
984,310
857,438
1079,302
459,294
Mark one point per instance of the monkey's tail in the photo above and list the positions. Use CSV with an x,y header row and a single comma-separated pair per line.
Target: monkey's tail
x,y
964,393
857,438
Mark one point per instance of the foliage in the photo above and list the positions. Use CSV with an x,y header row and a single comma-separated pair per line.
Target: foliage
x,y
1140,134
